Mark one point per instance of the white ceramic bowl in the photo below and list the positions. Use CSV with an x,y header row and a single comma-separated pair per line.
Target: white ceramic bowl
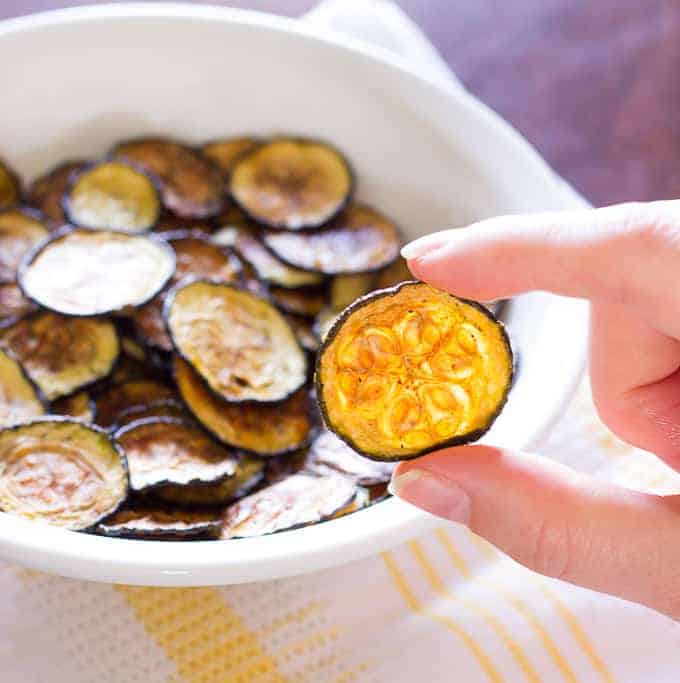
x,y
78,80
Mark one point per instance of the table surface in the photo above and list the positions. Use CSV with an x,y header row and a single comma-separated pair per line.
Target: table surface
x,y
593,85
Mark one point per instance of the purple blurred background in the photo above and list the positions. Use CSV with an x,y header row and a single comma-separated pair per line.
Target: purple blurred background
x,y
594,85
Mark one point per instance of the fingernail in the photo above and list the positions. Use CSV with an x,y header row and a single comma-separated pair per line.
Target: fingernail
x,y
432,493
417,248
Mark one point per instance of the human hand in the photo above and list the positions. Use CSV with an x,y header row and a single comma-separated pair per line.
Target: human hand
x,y
626,260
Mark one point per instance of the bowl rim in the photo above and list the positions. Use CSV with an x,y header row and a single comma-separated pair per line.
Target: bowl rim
x,y
354,536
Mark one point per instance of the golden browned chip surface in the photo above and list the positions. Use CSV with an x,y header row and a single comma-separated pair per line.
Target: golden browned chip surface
x,y
357,241
13,304
117,400
86,272
299,500
113,196
260,428
79,406
225,153
248,475
239,343
191,185
10,192
19,400
170,451
60,471
62,354
46,192
292,183
20,232
409,370
144,520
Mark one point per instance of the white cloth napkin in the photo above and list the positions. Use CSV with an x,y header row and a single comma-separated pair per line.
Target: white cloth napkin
x,y
445,607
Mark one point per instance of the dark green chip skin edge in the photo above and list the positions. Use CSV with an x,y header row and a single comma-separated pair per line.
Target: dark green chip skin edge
x,y
217,283
77,174
61,419
301,141
67,230
459,440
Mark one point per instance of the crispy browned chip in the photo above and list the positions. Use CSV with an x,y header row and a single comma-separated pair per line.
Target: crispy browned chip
x,y
112,195
21,230
80,406
413,369
248,474
170,451
85,273
145,520
191,185
306,302
13,304
292,183
20,399
10,189
60,471
62,354
259,428
47,191
244,349
299,500
225,153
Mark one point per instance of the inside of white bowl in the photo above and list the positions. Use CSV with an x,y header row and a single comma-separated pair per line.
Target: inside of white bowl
x,y
84,79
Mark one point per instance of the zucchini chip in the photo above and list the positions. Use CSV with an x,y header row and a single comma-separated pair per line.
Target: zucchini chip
x,y
21,230
195,257
409,370
266,265
13,305
361,500
304,332
19,398
292,183
393,275
144,521
85,273
10,189
307,302
79,406
171,224
115,401
346,289
328,453
62,354
169,451
225,153
359,240
61,471
191,185
46,193
299,500
244,349
249,473
161,408
259,428
112,195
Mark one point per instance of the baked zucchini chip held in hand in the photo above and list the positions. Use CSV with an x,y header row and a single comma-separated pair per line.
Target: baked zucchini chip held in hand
x,y
86,273
242,347
410,370
266,430
61,471
171,451
299,500
47,192
10,188
63,354
143,520
359,240
191,185
249,473
20,400
292,183
21,230
112,195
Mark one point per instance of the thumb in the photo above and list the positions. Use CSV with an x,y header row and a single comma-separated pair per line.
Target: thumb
x,y
555,521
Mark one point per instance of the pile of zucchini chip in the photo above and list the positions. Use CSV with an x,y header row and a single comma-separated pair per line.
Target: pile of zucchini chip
x,y
162,312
